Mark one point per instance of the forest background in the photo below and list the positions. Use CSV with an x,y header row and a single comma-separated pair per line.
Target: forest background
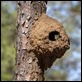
x,y
68,68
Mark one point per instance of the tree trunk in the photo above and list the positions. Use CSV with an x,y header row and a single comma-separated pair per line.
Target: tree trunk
x,y
28,68
40,41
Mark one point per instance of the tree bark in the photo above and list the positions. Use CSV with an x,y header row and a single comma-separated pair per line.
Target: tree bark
x,y
40,41
28,67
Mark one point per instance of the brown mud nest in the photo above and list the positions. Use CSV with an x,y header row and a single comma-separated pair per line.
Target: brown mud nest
x,y
48,40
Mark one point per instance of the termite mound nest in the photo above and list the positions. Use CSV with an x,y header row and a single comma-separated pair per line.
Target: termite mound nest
x,y
48,39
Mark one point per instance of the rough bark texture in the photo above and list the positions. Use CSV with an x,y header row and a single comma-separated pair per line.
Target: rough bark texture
x,y
40,41
27,65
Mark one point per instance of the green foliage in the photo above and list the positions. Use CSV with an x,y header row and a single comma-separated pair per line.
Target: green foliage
x,y
55,75
8,37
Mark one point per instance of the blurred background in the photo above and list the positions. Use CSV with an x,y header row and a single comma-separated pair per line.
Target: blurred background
x,y
68,68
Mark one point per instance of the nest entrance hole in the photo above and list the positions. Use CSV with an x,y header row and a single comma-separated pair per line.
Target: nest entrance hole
x,y
53,35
